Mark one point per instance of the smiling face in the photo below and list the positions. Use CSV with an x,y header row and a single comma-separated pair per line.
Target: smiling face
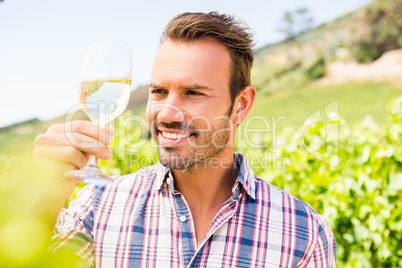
x,y
189,103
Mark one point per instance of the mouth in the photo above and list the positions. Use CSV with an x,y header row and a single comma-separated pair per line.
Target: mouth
x,y
174,136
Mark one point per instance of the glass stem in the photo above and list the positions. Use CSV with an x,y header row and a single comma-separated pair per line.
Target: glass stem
x,y
92,161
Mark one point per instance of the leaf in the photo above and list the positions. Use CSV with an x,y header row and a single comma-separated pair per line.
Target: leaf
x,y
364,210
395,181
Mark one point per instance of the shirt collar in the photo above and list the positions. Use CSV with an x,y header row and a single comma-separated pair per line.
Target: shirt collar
x,y
245,176
161,175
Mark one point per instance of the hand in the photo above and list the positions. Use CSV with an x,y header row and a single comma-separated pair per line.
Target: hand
x,y
67,146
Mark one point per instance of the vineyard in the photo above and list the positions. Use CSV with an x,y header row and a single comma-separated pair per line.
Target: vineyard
x,y
337,147
352,176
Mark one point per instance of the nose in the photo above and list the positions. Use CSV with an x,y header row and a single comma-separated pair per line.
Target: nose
x,y
171,110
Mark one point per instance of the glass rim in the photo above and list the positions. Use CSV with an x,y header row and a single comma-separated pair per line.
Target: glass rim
x,y
93,49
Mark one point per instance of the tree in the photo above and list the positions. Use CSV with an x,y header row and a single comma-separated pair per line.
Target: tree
x,y
384,18
296,22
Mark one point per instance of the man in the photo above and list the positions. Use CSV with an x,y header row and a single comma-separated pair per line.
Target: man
x,y
201,206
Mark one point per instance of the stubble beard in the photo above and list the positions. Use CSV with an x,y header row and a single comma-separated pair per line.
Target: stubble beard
x,y
191,158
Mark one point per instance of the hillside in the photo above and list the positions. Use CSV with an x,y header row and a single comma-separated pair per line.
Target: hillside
x,y
18,137
293,77
326,127
277,64
361,36
138,98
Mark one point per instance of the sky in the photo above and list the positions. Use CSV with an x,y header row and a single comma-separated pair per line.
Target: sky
x,y
43,43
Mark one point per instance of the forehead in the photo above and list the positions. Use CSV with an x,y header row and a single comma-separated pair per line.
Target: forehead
x,y
204,62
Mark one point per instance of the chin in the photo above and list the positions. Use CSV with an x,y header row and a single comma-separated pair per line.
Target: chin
x,y
172,160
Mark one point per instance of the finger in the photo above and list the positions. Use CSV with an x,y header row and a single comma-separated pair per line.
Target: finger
x,y
76,140
62,155
86,128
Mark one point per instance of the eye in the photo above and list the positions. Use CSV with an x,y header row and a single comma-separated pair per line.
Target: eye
x,y
195,93
158,91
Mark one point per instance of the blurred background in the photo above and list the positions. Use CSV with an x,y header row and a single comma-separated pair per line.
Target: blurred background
x,y
326,127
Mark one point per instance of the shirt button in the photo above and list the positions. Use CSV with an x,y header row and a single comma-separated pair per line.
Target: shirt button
x,y
182,218
168,180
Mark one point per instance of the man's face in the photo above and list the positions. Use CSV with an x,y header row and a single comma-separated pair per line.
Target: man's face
x,y
189,102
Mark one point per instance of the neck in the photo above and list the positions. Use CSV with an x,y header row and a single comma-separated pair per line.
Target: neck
x,y
207,185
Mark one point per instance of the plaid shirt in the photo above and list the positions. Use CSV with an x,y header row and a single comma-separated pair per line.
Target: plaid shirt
x,y
141,220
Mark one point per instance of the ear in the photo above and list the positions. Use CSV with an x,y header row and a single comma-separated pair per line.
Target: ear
x,y
243,104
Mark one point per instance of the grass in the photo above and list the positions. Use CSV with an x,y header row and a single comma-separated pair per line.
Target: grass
x,y
15,144
355,99
14,141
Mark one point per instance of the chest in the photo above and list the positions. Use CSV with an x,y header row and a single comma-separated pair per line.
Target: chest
x,y
160,231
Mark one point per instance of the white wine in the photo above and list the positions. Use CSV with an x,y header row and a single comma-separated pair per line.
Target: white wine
x,y
104,100
104,93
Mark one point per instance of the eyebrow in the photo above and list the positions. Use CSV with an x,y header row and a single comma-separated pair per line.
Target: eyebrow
x,y
184,87
195,87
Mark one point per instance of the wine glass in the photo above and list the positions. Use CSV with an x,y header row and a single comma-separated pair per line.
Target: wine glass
x,y
104,94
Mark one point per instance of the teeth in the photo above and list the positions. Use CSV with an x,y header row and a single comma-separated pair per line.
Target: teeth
x,y
174,135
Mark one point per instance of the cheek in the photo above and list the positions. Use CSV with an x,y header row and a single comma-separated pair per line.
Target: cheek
x,y
208,116
148,114
200,122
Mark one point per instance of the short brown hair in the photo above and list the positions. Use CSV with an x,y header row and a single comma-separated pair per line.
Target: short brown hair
x,y
226,30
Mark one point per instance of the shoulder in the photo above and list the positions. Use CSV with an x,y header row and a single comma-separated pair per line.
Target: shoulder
x,y
300,213
137,183
279,197
92,198
142,176
297,219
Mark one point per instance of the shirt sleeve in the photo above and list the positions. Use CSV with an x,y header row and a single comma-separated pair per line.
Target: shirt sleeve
x,y
324,254
73,230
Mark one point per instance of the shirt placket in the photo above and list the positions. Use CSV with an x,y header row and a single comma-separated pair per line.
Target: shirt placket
x,y
226,212
222,220
183,218
186,225
191,254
